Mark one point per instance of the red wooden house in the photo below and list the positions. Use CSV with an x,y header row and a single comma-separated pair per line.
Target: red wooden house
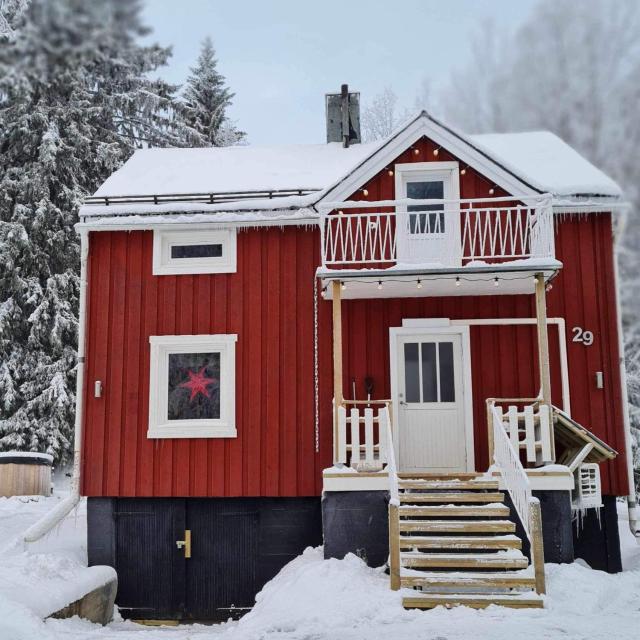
x,y
408,349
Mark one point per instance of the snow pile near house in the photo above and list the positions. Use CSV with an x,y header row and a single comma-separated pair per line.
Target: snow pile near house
x,y
323,598
39,579
316,598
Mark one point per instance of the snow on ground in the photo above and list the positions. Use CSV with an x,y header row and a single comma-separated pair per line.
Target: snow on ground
x,y
318,599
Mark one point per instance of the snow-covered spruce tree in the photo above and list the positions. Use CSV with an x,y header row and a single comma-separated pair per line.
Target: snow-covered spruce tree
x,y
207,98
75,100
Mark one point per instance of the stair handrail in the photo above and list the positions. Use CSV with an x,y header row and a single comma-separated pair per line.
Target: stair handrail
x,y
507,460
394,503
392,469
517,483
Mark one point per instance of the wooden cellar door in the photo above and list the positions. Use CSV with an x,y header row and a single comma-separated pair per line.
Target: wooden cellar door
x,y
150,568
221,575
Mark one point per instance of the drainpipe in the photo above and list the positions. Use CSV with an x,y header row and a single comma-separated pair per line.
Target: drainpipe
x,y
56,515
631,499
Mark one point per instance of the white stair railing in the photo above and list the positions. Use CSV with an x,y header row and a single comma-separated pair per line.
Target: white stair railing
x,y
507,459
394,501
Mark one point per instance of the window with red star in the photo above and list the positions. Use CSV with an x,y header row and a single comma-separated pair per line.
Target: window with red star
x,y
192,382
194,386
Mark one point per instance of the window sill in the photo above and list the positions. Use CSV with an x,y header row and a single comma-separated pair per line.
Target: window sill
x,y
192,432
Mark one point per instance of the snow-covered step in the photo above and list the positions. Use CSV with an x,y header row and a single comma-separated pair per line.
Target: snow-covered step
x,y
447,497
476,601
445,485
462,475
522,579
456,511
460,542
512,559
458,526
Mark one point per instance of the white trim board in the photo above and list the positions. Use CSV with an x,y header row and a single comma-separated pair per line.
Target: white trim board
x,y
164,240
159,424
154,221
425,126
467,386
562,340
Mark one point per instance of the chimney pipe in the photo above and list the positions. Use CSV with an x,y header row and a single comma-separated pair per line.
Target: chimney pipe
x,y
344,111
343,116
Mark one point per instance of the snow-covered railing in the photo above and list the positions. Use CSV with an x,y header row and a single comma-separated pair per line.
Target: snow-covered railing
x,y
529,427
507,460
394,501
361,434
450,233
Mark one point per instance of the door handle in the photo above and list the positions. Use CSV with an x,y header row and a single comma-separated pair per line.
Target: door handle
x,y
185,544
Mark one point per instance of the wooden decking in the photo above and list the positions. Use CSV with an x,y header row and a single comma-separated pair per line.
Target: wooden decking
x,y
457,545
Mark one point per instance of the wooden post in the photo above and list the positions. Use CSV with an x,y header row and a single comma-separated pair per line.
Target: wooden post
x,y
490,431
337,361
537,548
543,351
394,546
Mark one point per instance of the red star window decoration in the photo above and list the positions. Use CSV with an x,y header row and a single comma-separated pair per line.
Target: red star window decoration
x,y
198,383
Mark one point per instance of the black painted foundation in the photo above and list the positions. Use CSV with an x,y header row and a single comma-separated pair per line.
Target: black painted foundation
x,y
557,538
238,544
597,540
356,522
556,525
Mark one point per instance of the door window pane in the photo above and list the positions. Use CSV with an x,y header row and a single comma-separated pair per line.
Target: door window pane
x,y
194,386
411,372
447,384
426,222
429,373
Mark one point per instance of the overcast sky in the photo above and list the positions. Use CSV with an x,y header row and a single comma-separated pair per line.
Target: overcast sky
x,y
281,56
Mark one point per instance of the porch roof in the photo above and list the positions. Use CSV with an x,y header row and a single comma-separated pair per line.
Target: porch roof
x,y
414,281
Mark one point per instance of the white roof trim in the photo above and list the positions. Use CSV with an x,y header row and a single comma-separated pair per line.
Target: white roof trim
x,y
302,217
424,125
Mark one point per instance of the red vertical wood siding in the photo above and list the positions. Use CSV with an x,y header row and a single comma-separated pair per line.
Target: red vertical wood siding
x,y
268,302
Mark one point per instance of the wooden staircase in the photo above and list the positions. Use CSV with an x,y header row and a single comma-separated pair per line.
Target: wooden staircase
x,y
457,544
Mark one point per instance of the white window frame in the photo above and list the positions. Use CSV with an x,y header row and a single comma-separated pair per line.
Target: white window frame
x,y
159,424
164,239
448,172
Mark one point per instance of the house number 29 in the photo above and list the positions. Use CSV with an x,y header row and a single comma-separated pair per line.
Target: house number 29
x,y
580,335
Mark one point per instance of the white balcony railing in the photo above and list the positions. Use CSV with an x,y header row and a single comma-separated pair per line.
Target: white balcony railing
x,y
447,233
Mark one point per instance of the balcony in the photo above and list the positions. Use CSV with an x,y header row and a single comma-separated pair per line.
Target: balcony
x,y
411,247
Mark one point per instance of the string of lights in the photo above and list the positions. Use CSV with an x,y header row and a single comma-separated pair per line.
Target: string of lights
x,y
457,281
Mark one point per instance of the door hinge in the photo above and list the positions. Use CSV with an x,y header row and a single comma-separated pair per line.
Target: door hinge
x,y
185,544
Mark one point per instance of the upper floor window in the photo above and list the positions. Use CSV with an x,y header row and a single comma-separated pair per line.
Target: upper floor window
x,y
427,181
198,251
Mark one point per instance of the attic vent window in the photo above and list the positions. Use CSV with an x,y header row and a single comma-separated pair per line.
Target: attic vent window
x,y
200,251
196,251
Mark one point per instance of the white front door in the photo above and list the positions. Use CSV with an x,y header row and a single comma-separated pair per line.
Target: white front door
x,y
431,432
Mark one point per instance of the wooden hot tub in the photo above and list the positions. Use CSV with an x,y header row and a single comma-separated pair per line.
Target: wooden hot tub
x,y
25,474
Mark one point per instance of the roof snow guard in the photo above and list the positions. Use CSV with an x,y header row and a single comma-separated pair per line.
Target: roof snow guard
x,y
247,183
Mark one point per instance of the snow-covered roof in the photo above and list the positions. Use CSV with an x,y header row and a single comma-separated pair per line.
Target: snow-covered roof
x,y
233,169
533,161
547,163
